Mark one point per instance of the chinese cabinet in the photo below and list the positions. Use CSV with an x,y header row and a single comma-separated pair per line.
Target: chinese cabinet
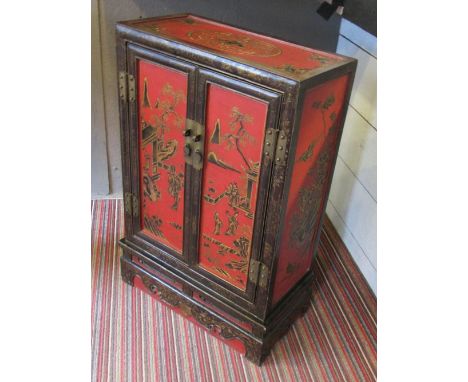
x,y
229,141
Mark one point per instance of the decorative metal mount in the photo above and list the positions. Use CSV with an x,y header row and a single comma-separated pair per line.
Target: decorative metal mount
x,y
194,134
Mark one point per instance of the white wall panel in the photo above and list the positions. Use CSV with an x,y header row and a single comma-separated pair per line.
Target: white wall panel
x,y
352,206
358,150
364,96
357,209
359,36
365,266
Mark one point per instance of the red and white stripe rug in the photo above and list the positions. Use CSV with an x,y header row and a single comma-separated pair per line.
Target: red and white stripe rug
x,y
136,339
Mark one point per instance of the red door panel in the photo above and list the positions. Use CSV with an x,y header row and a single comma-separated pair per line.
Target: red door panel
x,y
162,112
234,134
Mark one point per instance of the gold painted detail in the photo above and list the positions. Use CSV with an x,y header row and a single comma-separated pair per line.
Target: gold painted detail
x,y
258,273
240,265
218,223
323,106
154,28
162,149
324,60
153,224
235,199
223,247
308,153
234,43
291,69
307,212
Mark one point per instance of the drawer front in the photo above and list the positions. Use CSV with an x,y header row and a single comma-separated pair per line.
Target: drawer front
x,y
160,175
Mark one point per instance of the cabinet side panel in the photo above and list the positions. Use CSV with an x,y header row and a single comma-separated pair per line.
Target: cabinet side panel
x,y
235,129
317,147
162,111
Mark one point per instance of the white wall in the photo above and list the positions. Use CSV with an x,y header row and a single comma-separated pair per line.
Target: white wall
x,y
352,206
99,163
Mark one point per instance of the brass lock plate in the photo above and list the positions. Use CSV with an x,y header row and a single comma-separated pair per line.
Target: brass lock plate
x,y
194,143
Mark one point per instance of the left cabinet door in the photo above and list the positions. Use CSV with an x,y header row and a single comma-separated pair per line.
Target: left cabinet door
x,y
161,109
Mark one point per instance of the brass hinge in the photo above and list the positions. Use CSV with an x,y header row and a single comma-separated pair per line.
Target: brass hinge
x,y
131,88
280,153
126,86
123,85
270,143
131,204
258,273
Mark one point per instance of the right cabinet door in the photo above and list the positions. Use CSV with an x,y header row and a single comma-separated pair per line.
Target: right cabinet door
x,y
232,183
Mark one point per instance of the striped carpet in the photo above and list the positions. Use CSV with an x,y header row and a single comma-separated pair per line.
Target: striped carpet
x,y
136,339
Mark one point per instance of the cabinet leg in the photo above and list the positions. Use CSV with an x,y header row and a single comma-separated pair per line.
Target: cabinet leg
x,y
257,353
305,308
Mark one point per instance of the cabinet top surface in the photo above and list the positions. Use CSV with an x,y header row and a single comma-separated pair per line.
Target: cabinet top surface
x,y
263,52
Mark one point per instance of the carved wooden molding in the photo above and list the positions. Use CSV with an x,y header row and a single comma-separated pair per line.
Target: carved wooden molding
x,y
254,349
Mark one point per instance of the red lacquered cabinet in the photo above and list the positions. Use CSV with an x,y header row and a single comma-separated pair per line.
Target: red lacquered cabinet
x,y
229,142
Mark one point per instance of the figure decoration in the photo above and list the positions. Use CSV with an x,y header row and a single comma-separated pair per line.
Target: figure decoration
x,y
233,223
218,223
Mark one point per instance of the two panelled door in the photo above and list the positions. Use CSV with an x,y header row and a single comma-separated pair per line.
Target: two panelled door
x,y
232,186
198,141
